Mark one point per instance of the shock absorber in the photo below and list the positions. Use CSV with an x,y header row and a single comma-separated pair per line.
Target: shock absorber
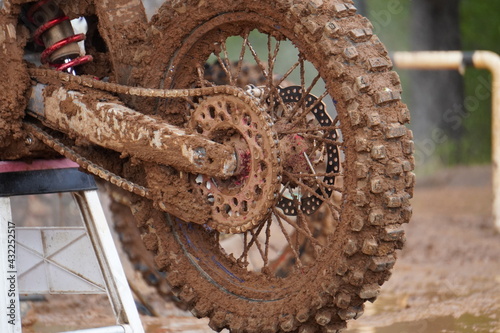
x,y
56,34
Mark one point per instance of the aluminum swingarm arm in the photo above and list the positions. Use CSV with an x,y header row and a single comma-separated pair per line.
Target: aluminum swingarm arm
x,y
114,126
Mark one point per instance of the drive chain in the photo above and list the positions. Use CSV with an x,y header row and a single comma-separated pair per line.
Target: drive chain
x,y
45,75
86,164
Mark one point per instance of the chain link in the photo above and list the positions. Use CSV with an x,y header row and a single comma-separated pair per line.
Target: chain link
x,y
45,75
86,164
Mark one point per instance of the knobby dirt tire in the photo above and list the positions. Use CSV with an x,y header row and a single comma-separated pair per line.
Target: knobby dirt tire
x,y
132,245
377,165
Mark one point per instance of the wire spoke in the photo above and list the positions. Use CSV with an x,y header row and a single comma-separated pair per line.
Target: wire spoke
x,y
271,61
268,238
242,54
309,129
282,79
269,84
276,95
300,218
201,75
287,74
272,55
257,59
253,240
287,237
304,95
319,175
245,249
335,121
298,228
309,109
259,247
190,102
228,63
314,175
303,221
321,187
302,74
225,64
309,163
324,197
322,139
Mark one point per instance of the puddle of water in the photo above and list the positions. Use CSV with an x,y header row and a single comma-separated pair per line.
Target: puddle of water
x,y
181,326
464,324
176,324
163,329
41,328
444,310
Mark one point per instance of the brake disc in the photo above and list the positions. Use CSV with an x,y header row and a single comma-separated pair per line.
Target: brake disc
x,y
306,155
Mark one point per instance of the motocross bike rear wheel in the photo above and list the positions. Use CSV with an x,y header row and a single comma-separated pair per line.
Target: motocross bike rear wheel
x,y
338,161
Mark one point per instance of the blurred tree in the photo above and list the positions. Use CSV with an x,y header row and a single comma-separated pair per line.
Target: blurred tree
x,y
480,31
437,97
361,6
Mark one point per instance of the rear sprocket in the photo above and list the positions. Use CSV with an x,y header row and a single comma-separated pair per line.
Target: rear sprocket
x,y
243,201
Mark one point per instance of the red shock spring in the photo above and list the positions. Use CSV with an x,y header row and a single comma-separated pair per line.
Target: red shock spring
x,y
68,61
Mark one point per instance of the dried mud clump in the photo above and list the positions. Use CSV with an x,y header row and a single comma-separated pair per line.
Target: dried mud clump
x,y
13,85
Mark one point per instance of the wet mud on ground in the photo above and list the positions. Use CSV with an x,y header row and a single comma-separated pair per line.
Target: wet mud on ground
x,y
447,279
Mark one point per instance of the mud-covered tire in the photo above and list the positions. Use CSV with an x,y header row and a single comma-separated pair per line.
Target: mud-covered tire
x,y
377,175
129,235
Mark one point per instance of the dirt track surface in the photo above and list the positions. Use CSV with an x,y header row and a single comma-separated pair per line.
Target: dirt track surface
x,y
447,279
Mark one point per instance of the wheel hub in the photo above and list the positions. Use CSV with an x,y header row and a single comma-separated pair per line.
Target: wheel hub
x,y
294,149
301,152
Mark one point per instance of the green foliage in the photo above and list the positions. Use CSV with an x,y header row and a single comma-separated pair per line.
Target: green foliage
x,y
390,19
480,25
480,30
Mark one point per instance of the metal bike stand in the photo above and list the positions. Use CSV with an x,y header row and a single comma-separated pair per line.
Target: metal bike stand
x,y
59,260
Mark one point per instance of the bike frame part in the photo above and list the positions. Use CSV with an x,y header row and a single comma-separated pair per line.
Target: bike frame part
x,y
118,16
117,127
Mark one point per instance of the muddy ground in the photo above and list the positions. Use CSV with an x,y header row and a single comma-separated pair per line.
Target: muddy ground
x,y
447,278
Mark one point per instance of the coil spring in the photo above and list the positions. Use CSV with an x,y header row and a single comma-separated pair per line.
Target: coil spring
x,y
67,63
